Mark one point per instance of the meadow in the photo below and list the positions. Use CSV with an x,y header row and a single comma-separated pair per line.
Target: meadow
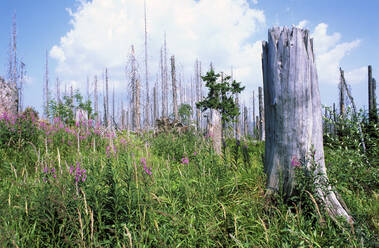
x,y
82,185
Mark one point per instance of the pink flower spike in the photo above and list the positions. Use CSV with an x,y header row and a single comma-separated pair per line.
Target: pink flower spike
x,y
295,162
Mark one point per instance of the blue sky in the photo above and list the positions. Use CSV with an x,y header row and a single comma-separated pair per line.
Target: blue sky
x,y
98,34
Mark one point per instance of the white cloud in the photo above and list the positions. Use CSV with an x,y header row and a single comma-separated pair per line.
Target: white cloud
x,y
329,53
103,32
255,1
302,24
356,76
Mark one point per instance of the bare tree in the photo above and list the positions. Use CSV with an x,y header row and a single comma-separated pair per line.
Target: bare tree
x,y
95,102
146,122
46,88
134,85
21,88
344,84
165,76
197,84
174,92
58,90
245,122
261,116
254,123
373,117
14,41
107,117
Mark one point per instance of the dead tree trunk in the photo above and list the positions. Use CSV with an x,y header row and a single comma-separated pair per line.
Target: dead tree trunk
x,y
342,98
146,122
261,115
254,124
46,90
374,99
106,99
58,89
155,105
237,124
245,123
354,109
215,131
174,92
197,82
293,113
165,90
371,97
96,99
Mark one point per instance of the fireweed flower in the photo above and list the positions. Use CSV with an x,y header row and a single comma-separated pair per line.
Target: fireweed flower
x,y
194,153
185,160
47,171
295,162
147,170
108,151
79,173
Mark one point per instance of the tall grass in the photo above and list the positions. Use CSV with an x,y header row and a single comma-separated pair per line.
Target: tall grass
x,y
166,191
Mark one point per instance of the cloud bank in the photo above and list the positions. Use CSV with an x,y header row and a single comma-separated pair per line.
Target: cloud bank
x,y
223,32
212,31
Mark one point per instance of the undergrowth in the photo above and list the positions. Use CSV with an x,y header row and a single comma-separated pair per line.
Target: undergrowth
x,y
94,189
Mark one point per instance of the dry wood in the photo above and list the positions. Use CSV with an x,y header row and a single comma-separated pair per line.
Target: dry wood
x,y
174,91
146,120
254,123
293,113
354,109
261,115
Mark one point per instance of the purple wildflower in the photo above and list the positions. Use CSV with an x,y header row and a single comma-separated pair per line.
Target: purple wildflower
x,y
295,162
185,160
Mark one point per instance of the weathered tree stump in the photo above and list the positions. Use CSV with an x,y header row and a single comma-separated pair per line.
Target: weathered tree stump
x,y
293,120
215,130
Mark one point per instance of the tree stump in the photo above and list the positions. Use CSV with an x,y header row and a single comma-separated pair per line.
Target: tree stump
x,y
293,120
215,131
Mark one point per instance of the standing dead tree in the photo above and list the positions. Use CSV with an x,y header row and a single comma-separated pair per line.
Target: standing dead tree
x,y
106,102
174,90
21,88
58,90
237,123
197,84
253,119
96,99
163,65
155,112
147,103
355,115
135,86
46,88
373,117
261,115
245,122
293,115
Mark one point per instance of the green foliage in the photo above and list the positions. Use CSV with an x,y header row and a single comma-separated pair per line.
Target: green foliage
x,y
220,96
202,203
175,147
185,112
65,109
16,131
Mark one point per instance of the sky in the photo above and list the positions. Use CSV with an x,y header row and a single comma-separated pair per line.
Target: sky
x,y
82,38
